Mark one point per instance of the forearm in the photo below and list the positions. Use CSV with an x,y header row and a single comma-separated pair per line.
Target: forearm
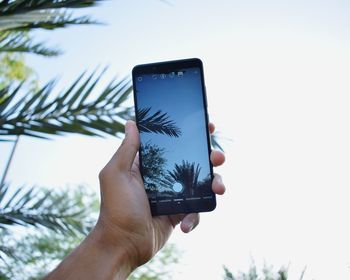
x,y
93,259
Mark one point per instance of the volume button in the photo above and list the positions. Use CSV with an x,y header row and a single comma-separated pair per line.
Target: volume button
x,y
205,97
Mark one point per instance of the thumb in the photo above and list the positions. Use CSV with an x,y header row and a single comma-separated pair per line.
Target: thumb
x,y
125,155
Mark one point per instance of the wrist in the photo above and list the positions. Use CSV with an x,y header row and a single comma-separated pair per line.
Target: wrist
x,y
113,251
95,258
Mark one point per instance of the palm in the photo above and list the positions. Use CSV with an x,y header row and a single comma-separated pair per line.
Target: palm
x,y
125,208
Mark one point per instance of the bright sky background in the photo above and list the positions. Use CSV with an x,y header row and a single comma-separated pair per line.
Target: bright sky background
x,y
277,76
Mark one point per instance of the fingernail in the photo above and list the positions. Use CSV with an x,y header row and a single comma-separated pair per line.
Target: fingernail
x,y
218,179
190,227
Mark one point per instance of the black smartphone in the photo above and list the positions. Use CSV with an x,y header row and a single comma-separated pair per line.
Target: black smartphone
x,y
171,115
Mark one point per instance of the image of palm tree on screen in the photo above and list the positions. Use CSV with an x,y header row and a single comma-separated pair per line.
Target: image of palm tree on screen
x,y
153,167
187,175
160,179
157,122
153,159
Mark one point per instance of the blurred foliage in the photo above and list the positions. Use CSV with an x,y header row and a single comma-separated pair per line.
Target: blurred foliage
x,y
19,16
32,252
59,211
72,111
38,226
44,112
160,267
14,69
21,42
266,273
215,141
52,224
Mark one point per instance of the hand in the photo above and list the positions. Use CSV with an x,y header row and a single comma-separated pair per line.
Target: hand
x,y
126,235
125,218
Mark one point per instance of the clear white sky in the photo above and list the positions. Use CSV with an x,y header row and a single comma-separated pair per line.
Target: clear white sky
x,y
277,75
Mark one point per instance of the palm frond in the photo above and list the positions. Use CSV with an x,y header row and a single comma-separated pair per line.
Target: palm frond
x,y
58,221
41,208
7,251
17,17
228,274
22,42
34,253
25,6
215,142
72,111
157,122
41,19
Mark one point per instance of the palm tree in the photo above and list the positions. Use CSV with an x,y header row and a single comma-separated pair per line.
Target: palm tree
x,y
157,123
70,112
45,112
37,114
187,175
60,220
39,207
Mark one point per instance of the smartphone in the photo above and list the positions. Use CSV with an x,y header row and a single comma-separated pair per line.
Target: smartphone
x,y
171,115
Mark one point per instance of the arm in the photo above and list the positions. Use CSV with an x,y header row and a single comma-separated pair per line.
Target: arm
x,y
95,259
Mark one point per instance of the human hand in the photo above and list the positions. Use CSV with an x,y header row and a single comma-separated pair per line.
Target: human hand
x,y
126,235
125,220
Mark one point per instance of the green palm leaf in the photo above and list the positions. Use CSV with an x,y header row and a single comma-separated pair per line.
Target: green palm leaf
x,y
157,123
41,208
58,220
41,19
21,42
25,6
72,111
17,17
215,142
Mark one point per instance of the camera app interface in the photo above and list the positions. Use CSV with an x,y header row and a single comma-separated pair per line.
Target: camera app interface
x,y
174,148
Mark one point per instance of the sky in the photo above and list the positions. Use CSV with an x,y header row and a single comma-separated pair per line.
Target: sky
x,y
277,79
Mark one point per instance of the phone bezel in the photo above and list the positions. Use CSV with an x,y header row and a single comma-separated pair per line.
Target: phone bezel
x,y
185,206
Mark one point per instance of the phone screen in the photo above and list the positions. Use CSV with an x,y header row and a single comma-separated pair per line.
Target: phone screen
x,y
171,115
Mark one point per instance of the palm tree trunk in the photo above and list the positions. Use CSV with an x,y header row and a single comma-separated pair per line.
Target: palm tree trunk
x,y
9,163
